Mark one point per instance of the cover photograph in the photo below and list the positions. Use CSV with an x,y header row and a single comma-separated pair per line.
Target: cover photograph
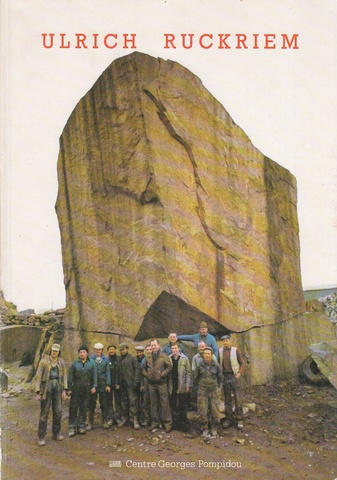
x,y
168,300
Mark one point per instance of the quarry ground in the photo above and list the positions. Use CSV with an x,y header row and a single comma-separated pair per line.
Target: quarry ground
x,y
291,435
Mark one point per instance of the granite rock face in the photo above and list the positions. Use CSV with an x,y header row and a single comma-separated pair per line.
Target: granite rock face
x,y
276,352
168,214
325,356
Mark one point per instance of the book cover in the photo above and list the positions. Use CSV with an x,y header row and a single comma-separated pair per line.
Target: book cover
x,y
272,65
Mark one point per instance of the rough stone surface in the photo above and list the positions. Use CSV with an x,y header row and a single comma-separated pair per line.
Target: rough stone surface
x,y
6,308
276,352
314,306
18,340
165,205
325,356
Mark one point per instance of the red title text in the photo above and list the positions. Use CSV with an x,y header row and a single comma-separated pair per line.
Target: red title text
x,y
206,41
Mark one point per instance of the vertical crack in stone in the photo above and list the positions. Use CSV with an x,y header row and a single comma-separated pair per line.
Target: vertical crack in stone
x,y
71,233
161,110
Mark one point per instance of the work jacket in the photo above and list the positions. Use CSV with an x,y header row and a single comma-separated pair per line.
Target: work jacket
x,y
103,371
196,338
42,375
130,371
208,377
82,375
184,374
157,371
115,370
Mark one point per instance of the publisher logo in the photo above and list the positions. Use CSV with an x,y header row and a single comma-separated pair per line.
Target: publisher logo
x,y
115,463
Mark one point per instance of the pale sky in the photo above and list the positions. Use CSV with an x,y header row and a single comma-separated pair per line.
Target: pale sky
x,y
284,99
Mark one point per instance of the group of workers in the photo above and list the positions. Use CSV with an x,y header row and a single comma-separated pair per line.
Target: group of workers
x,y
153,389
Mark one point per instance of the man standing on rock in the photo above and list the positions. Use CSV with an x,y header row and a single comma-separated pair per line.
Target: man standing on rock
x,y
203,335
103,386
130,384
232,365
51,385
82,382
157,369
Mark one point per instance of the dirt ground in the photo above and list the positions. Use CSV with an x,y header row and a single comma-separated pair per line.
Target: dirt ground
x,y
292,434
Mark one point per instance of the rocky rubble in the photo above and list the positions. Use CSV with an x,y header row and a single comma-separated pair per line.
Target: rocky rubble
x,y
330,306
6,308
9,315
48,318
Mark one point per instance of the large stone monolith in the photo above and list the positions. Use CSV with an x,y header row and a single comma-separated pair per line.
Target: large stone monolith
x,y
168,214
